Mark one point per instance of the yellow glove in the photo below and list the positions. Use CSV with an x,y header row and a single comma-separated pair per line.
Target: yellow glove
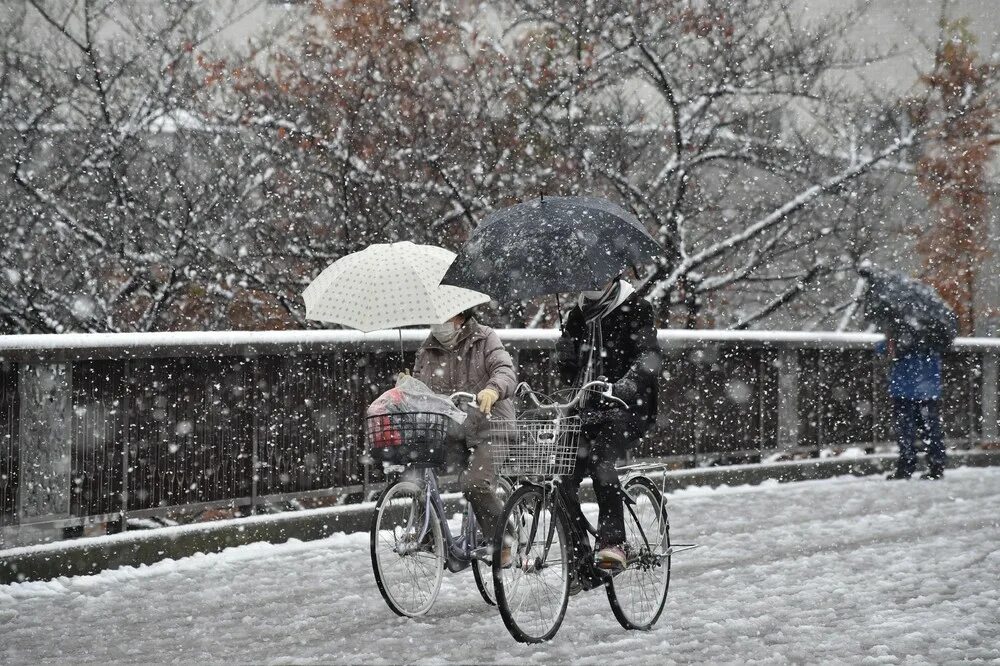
x,y
486,399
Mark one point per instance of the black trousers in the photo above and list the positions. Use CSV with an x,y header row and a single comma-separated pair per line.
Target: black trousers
x,y
918,418
599,450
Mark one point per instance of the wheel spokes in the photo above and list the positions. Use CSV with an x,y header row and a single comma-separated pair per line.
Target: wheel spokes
x,y
534,595
408,550
641,588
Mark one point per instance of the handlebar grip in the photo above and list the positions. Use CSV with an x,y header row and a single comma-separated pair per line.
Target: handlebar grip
x,y
471,397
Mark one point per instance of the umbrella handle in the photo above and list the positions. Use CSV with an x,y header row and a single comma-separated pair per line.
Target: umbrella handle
x,y
402,359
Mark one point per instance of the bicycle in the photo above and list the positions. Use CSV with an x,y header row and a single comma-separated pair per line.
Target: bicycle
x,y
548,555
411,542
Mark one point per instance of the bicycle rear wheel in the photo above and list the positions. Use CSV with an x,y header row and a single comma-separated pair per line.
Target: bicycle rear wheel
x,y
407,549
638,594
533,591
481,569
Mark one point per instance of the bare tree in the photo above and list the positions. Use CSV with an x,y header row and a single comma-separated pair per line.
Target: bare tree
x,y
154,182
122,203
721,129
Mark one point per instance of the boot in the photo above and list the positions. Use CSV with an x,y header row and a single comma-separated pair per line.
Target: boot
x,y
899,475
933,474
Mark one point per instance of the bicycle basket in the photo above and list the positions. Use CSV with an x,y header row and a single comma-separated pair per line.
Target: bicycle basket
x,y
407,438
534,446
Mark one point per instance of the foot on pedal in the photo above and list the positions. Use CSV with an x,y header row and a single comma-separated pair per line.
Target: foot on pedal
x,y
610,558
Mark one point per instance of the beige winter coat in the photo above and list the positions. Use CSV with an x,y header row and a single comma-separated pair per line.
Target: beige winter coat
x,y
477,361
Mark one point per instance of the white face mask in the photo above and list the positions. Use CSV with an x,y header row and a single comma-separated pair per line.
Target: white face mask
x,y
445,333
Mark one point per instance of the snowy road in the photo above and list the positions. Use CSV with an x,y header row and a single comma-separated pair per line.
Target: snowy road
x,y
844,570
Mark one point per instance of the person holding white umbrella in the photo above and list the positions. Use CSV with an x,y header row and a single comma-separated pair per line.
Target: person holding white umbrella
x,y
463,355
398,284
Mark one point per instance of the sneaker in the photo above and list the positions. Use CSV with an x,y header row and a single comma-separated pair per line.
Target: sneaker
x,y
898,476
610,558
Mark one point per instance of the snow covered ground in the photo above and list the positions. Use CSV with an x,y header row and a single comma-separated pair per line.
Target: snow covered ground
x,y
854,570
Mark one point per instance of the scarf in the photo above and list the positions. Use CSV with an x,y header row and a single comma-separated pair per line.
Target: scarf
x,y
593,313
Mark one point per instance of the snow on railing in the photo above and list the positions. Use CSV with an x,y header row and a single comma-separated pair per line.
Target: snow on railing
x,y
134,343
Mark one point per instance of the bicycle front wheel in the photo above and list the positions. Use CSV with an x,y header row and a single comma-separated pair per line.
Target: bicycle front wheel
x,y
532,591
407,549
480,568
638,594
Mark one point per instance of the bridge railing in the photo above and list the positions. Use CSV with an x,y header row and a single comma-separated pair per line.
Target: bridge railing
x,y
102,428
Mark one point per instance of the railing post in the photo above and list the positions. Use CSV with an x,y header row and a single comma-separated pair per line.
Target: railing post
x,y
254,394
991,428
370,360
821,396
128,405
697,407
788,399
126,462
45,440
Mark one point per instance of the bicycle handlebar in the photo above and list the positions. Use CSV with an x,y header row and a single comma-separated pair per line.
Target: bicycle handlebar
x,y
524,388
471,397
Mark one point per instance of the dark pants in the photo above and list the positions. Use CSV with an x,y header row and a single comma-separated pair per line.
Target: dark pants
x,y
597,456
470,451
918,418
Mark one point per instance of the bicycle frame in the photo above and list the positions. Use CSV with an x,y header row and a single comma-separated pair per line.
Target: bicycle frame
x,y
552,493
460,552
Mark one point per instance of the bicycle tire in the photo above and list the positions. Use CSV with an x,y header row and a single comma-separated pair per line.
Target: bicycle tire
x,y
526,552
433,551
648,572
482,570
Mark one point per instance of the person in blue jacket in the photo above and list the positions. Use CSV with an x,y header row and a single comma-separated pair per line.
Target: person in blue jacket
x,y
915,388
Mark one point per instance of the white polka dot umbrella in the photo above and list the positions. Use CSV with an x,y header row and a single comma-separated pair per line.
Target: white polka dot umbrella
x,y
388,286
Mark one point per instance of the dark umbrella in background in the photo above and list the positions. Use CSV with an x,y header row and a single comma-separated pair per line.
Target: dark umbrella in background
x,y
550,245
908,311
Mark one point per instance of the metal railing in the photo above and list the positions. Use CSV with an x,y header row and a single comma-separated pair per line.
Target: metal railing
x,y
9,459
158,423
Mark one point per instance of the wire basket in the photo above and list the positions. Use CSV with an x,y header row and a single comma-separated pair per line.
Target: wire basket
x,y
407,438
534,446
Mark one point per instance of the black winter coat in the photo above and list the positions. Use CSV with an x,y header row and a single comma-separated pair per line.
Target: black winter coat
x,y
632,363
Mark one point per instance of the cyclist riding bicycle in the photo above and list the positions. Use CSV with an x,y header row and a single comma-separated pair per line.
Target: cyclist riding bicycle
x,y
464,355
610,334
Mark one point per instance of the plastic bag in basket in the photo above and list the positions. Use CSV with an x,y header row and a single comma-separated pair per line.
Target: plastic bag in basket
x,y
412,395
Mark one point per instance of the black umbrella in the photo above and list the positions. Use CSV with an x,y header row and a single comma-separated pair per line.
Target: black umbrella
x,y
550,245
908,311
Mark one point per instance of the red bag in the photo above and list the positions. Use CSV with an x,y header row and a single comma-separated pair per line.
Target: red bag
x,y
385,435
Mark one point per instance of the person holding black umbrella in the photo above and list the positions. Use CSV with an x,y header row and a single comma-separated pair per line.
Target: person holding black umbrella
x,y
918,326
558,245
915,388
610,334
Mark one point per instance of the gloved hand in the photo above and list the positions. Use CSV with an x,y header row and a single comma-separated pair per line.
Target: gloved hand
x,y
626,389
592,416
486,399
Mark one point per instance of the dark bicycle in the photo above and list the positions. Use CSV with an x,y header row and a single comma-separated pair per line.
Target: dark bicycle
x,y
550,538
411,542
